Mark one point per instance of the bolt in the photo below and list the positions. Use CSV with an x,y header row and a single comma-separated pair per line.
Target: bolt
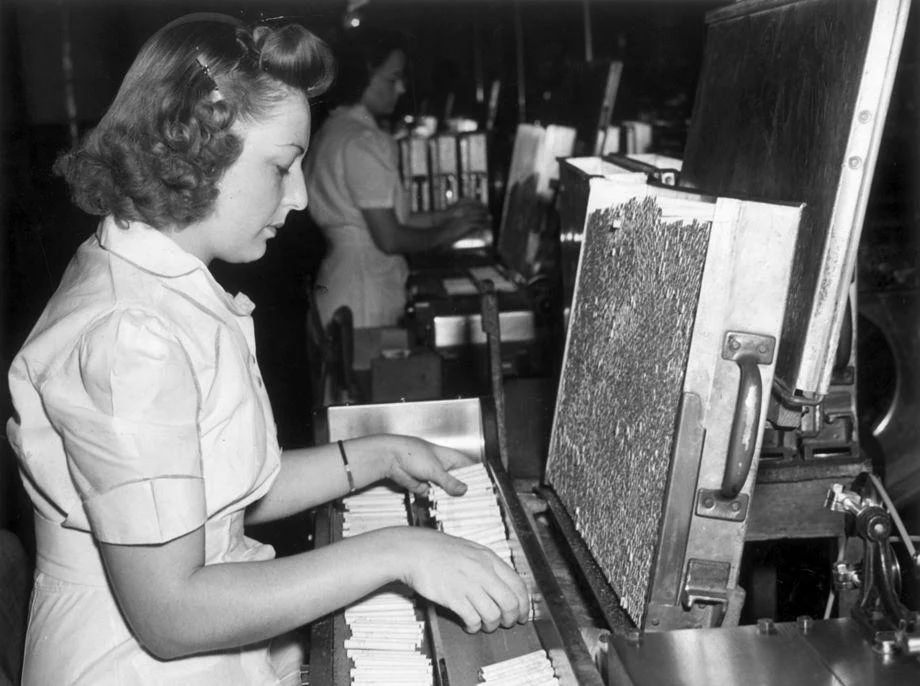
x,y
805,623
762,349
733,343
633,636
736,506
655,621
854,162
865,116
709,502
884,646
765,626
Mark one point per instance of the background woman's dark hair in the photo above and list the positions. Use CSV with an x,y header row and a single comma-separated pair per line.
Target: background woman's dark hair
x,y
165,141
357,56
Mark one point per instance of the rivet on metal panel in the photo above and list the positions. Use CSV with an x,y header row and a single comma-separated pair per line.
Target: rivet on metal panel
x,y
855,162
765,626
709,503
805,623
865,116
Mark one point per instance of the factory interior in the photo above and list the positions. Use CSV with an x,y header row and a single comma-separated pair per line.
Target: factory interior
x,y
694,435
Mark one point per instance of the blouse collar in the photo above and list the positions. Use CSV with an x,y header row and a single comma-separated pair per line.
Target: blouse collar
x,y
153,251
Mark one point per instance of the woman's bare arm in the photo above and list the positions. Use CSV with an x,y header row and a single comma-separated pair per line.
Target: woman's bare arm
x,y
312,476
177,606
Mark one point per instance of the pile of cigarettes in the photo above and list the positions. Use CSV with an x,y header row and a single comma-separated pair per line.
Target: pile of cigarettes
x,y
475,515
532,669
385,633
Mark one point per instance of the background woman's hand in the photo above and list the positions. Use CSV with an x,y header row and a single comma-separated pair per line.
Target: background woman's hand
x,y
415,462
466,216
465,577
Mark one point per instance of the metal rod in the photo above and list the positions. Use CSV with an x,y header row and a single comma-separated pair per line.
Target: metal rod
x,y
589,43
519,52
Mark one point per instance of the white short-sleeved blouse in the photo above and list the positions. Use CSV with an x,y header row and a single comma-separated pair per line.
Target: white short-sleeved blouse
x,y
353,165
140,416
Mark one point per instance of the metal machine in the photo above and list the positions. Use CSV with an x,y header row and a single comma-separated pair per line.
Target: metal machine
x,y
704,401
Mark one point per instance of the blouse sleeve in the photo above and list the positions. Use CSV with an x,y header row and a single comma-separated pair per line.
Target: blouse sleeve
x,y
128,418
371,171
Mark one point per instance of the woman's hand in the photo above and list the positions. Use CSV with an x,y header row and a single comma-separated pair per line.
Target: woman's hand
x,y
415,462
463,576
466,216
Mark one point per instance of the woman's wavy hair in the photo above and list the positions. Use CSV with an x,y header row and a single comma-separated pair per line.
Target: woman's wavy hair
x,y
358,56
158,152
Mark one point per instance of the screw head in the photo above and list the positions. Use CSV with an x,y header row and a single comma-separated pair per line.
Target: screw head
x,y
633,636
765,626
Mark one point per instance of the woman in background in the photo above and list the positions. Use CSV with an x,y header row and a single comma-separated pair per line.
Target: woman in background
x,y
144,434
356,194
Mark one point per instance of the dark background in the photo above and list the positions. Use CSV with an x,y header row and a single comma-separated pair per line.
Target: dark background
x,y
456,45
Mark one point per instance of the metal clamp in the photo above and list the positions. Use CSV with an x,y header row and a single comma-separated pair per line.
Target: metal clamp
x,y
748,350
706,582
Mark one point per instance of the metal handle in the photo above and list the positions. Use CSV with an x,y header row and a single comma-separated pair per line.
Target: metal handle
x,y
748,351
745,426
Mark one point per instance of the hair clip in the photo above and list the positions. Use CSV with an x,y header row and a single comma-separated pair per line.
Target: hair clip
x,y
291,18
207,72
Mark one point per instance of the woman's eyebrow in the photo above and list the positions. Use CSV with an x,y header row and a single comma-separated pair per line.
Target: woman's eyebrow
x,y
301,148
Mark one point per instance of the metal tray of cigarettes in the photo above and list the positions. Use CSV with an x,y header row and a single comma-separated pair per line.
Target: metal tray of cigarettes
x,y
396,637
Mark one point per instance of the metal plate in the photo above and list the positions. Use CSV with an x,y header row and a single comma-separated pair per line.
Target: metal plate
x,y
791,104
455,423
830,653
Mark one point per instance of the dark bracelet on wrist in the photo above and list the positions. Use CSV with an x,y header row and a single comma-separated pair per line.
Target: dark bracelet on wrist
x,y
351,478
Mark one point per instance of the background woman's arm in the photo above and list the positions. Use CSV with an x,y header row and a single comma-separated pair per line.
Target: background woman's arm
x,y
426,230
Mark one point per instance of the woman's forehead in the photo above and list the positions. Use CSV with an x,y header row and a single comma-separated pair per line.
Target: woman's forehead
x,y
396,61
287,122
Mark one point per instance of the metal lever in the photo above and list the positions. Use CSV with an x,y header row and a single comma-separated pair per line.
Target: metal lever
x,y
491,326
749,351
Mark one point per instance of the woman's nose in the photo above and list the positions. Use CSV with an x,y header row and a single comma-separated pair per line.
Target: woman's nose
x,y
296,194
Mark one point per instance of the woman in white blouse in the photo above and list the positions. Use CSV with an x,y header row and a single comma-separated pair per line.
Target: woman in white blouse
x,y
143,430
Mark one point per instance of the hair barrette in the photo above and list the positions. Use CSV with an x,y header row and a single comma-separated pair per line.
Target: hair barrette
x,y
207,71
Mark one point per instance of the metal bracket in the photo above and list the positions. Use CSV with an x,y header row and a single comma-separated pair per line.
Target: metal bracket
x,y
706,582
710,503
738,344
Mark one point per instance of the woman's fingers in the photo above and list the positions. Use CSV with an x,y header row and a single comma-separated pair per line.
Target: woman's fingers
x,y
518,600
487,611
471,580
451,458
467,614
449,483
